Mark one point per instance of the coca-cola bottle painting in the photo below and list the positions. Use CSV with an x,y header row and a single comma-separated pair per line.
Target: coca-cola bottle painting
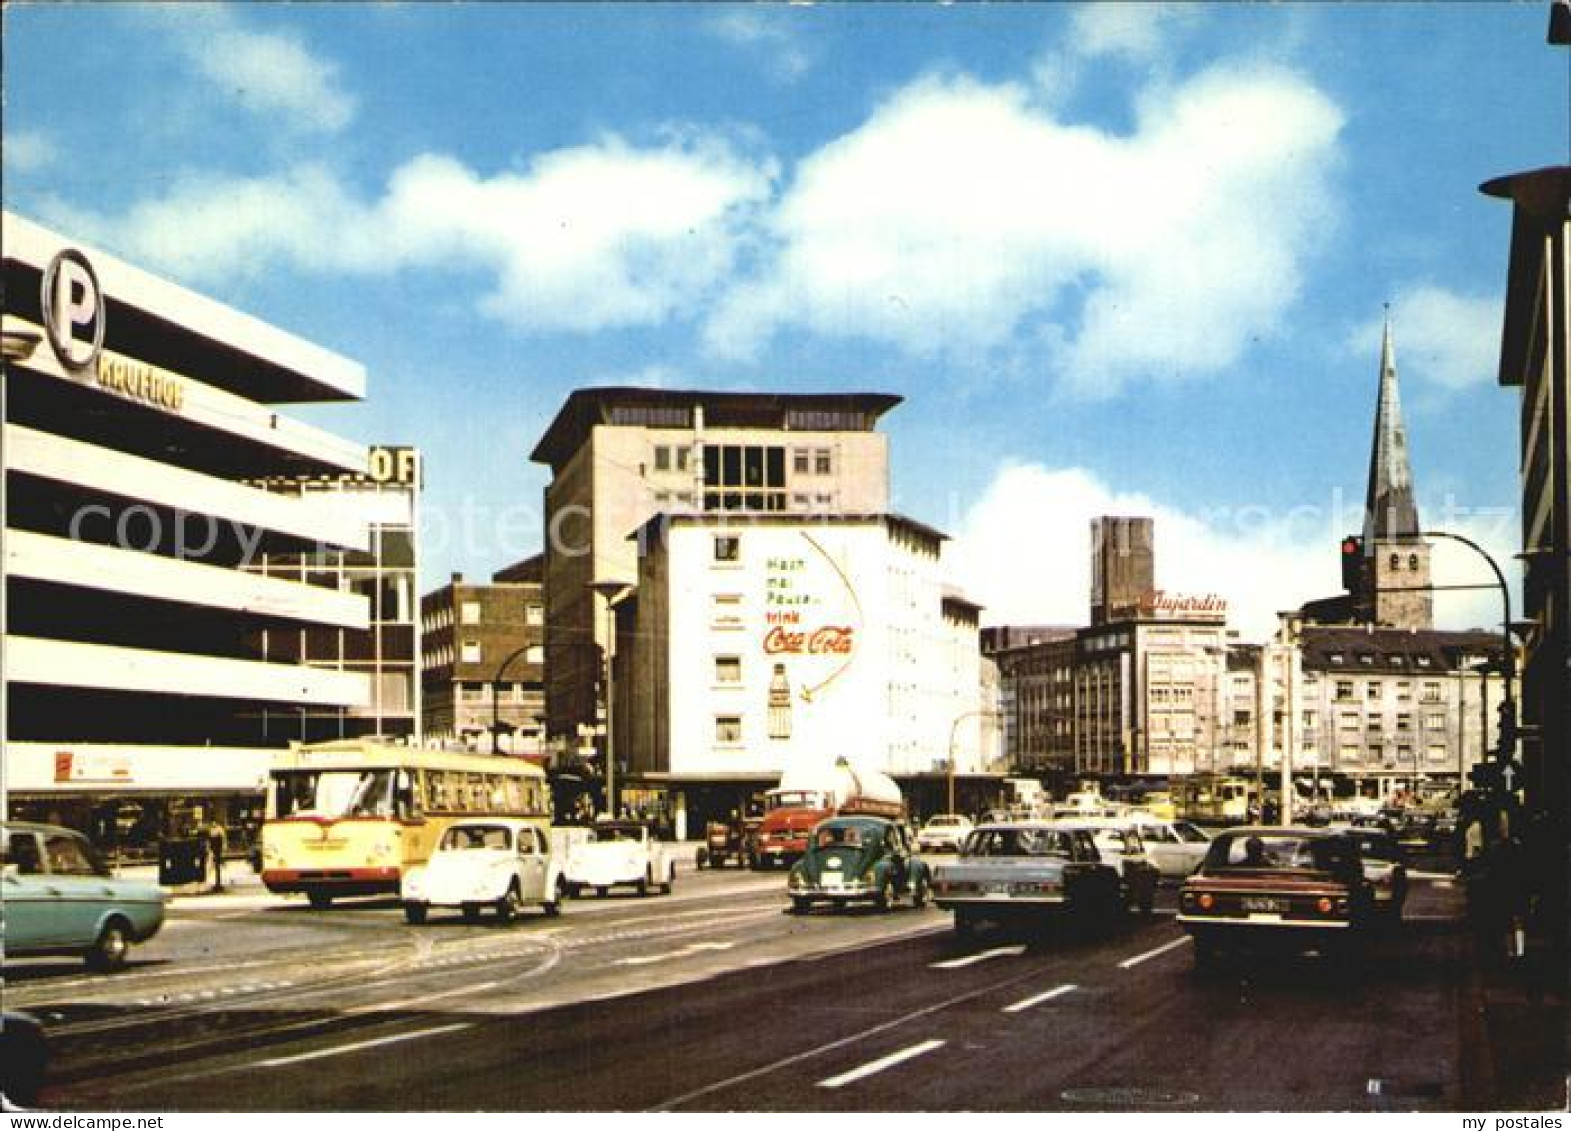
x,y
779,704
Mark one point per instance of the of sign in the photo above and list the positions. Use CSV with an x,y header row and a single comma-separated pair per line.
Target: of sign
x,y
394,465
72,300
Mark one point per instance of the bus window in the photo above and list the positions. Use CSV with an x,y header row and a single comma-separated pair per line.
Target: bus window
x,y
333,793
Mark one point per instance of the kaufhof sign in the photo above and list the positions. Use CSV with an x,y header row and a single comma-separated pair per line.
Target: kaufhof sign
x,y
1162,605
74,319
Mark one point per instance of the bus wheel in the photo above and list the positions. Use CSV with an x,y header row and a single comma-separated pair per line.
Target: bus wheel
x,y
320,899
414,913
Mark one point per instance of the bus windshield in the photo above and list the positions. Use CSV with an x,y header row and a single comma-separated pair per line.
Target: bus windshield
x,y
333,793
797,799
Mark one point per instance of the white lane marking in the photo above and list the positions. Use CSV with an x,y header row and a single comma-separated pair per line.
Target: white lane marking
x,y
880,1064
1057,991
1163,949
979,956
358,1045
685,952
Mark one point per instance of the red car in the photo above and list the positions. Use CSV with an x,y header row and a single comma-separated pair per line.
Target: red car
x,y
1274,887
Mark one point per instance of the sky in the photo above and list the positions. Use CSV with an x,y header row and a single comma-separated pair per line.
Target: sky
x,y
1117,259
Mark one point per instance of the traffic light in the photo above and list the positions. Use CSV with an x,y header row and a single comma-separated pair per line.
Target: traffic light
x,y
1352,563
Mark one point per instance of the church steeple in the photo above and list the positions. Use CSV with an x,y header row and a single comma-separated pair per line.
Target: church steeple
x,y
1398,573
1389,510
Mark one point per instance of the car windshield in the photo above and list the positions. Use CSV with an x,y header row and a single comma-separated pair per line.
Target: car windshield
x,y
848,836
461,838
1018,842
1285,851
333,793
1187,832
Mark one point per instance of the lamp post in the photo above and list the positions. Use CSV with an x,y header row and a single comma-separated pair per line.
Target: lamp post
x,y
612,591
18,346
1505,753
496,698
954,731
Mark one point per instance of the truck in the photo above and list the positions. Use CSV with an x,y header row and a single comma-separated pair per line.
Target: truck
x,y
808,795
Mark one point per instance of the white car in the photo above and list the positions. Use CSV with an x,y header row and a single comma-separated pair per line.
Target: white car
x,y
620,853
501,863
1120,844
943,833
1175,847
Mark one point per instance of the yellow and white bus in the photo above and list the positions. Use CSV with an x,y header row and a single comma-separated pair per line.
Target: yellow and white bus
x,y
1212,798
347,818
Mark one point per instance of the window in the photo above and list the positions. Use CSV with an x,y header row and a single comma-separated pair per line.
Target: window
x,y
1412,561
470,653
534,654
469,612
728,548
744,477
1350,720
534,614
662,458
801,461
1431,691
1396,561
1372,691
1344,689
1404,722
823,461
726,610
1436,753
1350,754
1435,721
728,729
728,669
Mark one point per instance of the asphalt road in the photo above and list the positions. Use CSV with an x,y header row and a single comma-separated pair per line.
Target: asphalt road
x,y
715,999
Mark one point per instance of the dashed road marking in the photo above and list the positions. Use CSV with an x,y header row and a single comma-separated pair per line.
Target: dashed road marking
x,y
340,1050
1056,991
880,1064
1163,949
979,956
686,952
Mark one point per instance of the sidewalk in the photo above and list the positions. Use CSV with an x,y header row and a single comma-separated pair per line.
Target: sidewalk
x,y
1513,1013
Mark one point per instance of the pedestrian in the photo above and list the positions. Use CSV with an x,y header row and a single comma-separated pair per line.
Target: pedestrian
x,y
215,851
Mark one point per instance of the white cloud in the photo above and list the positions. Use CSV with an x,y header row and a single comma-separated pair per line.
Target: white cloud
x,y
1441,338
764,31
962,218
1137,32
269,73
595,236
1023,551
28,151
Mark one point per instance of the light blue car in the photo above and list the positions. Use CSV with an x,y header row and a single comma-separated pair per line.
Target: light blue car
x,y
58,897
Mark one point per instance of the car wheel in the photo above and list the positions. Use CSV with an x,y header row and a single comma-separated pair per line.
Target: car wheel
x,y
109,952
601,892
919,892
886,894
508,906
670,879
553,907
800,905
320,899
414,913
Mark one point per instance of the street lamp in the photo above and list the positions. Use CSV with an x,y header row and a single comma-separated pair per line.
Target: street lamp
x,y
613,592
954,731
496,697
18,346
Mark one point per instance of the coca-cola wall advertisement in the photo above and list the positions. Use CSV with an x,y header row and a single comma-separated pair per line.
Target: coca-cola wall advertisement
x,y
812,618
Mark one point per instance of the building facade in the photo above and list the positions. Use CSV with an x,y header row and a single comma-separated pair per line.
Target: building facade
x,y
619,456
761,643
1535,358
386,574
483,661
134,433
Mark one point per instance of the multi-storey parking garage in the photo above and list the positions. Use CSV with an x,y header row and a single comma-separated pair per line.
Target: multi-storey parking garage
x,y
135,433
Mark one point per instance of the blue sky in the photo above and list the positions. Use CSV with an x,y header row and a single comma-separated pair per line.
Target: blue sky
x,y
1116,258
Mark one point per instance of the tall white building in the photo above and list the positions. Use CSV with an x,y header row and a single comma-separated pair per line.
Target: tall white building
x,y
760,643
134,436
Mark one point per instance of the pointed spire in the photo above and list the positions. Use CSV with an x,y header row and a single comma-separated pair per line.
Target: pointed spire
x,y
1390,511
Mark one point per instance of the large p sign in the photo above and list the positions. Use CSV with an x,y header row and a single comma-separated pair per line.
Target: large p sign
x,y
73,302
